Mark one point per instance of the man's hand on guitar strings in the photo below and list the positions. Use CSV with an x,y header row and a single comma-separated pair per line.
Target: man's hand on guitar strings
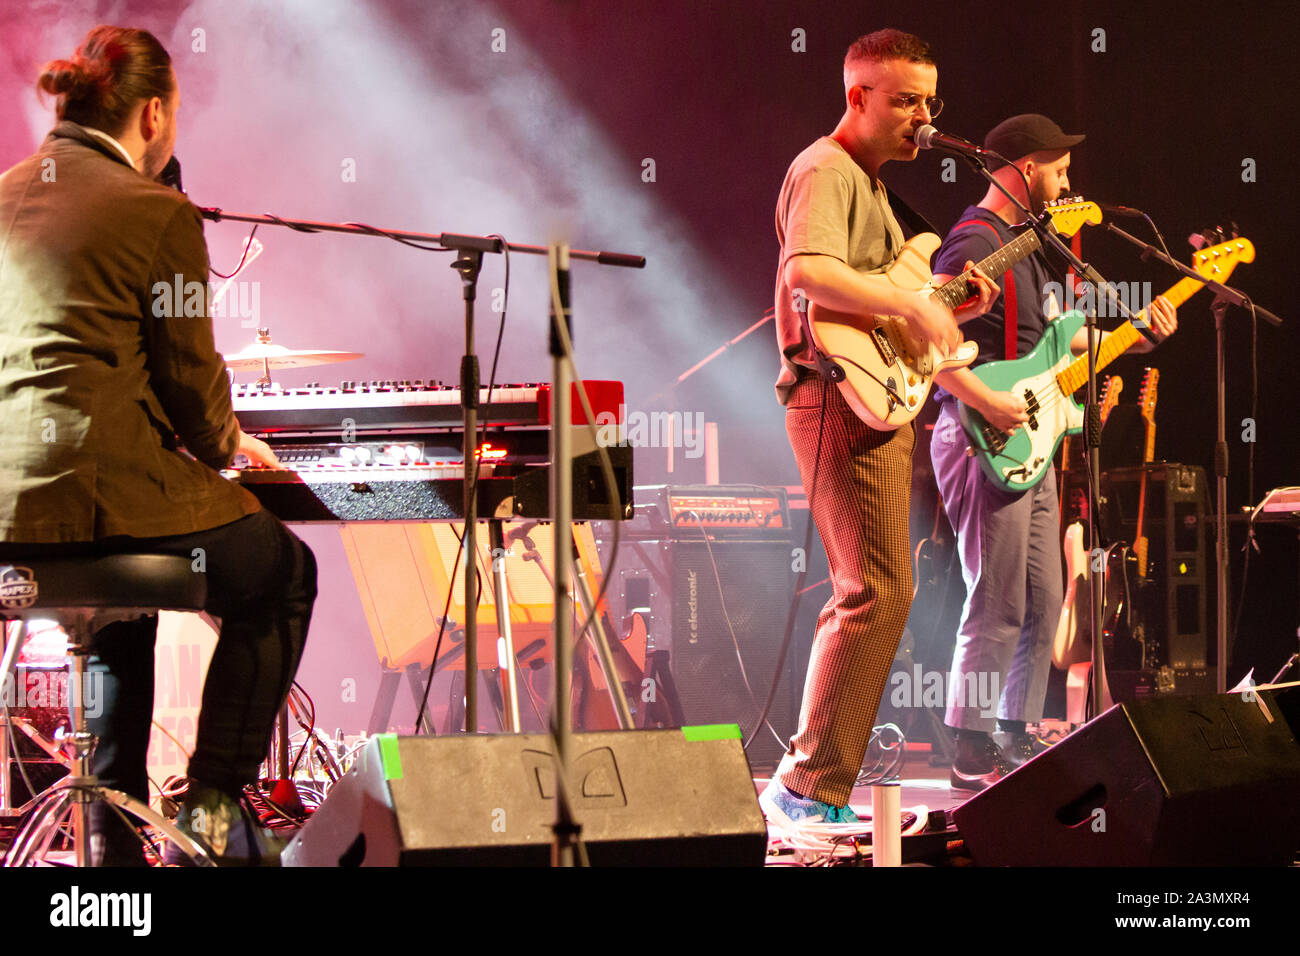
x,y
934,325
1005,411
1162,319
985,290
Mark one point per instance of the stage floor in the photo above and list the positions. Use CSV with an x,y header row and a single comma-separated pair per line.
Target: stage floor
x,y
924,788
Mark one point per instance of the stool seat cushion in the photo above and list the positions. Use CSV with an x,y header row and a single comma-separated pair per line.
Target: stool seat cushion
x,y
148,581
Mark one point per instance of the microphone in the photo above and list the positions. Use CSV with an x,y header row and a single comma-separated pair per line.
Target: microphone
x,y
171,175
1128,211
927,137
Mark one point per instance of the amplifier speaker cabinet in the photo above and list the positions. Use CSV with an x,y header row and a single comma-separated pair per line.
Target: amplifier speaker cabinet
x,y
688,580
644,797
1209,780
1174,603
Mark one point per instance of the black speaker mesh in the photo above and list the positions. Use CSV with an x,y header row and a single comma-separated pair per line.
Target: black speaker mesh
x,y
756,585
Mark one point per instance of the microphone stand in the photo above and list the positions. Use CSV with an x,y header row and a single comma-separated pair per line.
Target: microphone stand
x,y
1092,417
707,359
468,263
1224,296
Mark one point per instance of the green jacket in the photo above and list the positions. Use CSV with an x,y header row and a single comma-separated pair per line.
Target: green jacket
x,y
95,386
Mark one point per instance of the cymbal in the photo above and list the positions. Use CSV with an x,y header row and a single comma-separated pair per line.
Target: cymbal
x,y
261,356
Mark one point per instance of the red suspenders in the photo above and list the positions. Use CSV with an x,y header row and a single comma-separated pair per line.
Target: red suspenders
x,y
1009,291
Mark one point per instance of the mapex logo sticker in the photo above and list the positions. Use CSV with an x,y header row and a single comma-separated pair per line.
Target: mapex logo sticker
x,y
17,588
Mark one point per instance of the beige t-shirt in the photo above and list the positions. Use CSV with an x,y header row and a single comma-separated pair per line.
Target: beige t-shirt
x,y
828,206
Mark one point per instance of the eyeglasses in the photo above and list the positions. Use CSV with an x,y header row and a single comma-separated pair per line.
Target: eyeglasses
x,y
911,102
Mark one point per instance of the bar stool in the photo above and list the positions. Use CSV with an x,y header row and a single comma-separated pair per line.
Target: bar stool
x,y
85,594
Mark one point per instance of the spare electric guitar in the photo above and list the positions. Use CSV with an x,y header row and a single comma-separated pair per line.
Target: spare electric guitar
x,y
887,369
1124,621
1071,644
1148,402
1048,377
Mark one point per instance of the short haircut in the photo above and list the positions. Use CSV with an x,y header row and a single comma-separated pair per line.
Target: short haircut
x,y
113,70
885,45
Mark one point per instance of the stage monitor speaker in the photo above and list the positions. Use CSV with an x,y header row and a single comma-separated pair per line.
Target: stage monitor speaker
x,y
1210,780
645,797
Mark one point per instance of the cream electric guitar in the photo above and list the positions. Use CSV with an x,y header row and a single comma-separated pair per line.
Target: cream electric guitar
x,y
887,369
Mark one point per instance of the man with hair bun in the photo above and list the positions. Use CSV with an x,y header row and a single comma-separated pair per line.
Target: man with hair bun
x,y
838,235
101,384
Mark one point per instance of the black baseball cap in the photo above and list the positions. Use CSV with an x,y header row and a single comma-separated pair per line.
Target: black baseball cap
x,y
1027,133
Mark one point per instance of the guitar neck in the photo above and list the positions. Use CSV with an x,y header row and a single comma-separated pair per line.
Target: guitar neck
x,y
1075,375
958,289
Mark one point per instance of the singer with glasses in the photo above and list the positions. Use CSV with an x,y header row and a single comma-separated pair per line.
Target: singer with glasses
x,y
838,234
911,102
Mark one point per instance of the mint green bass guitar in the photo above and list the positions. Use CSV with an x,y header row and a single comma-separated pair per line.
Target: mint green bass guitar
x,y
1048,377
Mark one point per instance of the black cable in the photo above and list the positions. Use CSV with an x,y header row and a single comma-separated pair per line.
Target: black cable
x,y
248,244
1159,238
375,231
473,469
606,465
437,645
726,616
890,390
1250,469
311,724
897,750
561,332
797,596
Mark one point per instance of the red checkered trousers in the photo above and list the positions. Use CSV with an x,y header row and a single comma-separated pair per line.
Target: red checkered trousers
x,y
860,507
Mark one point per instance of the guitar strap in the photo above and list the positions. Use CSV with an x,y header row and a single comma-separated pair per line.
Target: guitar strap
x,y
909,220
1009,291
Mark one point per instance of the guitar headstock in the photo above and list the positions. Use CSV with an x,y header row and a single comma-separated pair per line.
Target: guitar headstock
x,y
1072,214
1147,397
1110,395
1217,261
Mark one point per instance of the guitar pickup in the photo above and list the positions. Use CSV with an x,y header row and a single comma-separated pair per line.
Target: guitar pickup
x,y
1031,406
884,346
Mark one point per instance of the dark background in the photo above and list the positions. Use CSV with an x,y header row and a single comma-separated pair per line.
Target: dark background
x,y
548,139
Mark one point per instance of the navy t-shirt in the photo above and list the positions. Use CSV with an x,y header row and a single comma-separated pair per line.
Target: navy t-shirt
x,y
1033,280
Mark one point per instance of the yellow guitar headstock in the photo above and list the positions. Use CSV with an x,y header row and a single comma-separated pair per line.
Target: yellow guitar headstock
x,y
1217,262
1147,398
1110,395
1071,215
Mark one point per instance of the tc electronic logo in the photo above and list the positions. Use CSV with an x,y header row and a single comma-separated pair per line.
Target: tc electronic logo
x,y
17,588
693,603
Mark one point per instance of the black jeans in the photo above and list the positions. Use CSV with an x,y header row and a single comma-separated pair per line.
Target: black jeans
x,y
261,583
